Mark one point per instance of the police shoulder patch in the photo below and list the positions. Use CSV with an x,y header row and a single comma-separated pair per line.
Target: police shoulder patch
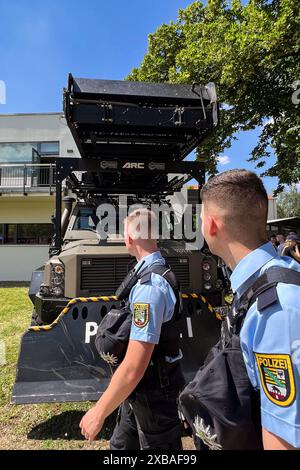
x,y
277,377
140,315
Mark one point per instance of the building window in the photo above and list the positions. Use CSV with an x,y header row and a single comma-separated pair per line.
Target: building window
x,y
25,234
27,152
49,148
10,234
16,152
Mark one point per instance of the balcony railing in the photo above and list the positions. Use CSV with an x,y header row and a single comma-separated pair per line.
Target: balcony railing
x,y
27,178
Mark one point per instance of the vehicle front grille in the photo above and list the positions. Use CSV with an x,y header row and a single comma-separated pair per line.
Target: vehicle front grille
x,y
104,275
181,269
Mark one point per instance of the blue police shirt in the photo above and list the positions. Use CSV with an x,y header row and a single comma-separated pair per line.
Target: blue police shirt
x,y
270,341
152,303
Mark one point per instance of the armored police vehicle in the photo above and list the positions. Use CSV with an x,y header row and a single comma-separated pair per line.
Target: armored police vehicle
x,y
133,139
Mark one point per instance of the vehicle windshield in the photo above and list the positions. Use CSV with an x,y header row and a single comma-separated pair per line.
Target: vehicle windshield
x,y
86,219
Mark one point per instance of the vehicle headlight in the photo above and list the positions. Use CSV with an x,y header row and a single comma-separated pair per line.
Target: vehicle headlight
x,y
207,286
57,279
57,291
44,290
207,277
206,266
58,269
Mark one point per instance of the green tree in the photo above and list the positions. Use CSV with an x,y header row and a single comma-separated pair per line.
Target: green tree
x,y
252,53
288,203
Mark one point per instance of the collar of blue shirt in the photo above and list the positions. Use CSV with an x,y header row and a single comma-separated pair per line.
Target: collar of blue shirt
x,y
251,263
150,259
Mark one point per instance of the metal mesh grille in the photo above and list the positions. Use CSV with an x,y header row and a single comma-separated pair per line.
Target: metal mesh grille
x,y
104,275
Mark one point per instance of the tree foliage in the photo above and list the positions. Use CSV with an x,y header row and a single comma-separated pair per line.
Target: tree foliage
x,y
252,53
288,203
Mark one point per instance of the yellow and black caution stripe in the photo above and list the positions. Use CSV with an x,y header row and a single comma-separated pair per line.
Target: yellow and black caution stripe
x,y
205,301
105,298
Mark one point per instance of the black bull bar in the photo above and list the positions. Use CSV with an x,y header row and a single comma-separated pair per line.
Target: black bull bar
x,y
59,362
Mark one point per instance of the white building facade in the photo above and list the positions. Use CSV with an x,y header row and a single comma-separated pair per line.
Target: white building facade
x,y
29,145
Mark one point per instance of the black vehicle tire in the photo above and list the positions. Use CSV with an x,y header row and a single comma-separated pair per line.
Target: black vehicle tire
x,y
35,319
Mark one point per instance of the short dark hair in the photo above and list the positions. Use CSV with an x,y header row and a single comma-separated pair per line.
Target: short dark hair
x,y
243,197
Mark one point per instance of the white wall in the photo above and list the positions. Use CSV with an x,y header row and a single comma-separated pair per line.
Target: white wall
x,y
29,127
17,262
67,147
38,128
272,210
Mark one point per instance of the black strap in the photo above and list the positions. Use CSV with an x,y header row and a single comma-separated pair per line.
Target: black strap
x,y
264,290
270,278
163,270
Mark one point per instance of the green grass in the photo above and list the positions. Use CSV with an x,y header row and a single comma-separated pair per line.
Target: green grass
x,y
44,426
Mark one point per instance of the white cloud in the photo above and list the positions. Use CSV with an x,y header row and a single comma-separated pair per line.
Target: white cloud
x,y
223,160
2,92
226,106
269,120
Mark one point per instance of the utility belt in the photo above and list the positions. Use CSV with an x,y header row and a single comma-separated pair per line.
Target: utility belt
x,y
163,373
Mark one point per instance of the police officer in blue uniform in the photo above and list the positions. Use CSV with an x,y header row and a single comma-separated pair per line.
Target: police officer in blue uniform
x,y
234,215
148,380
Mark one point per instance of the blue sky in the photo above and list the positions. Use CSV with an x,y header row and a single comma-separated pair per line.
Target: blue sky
x,y
41,42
